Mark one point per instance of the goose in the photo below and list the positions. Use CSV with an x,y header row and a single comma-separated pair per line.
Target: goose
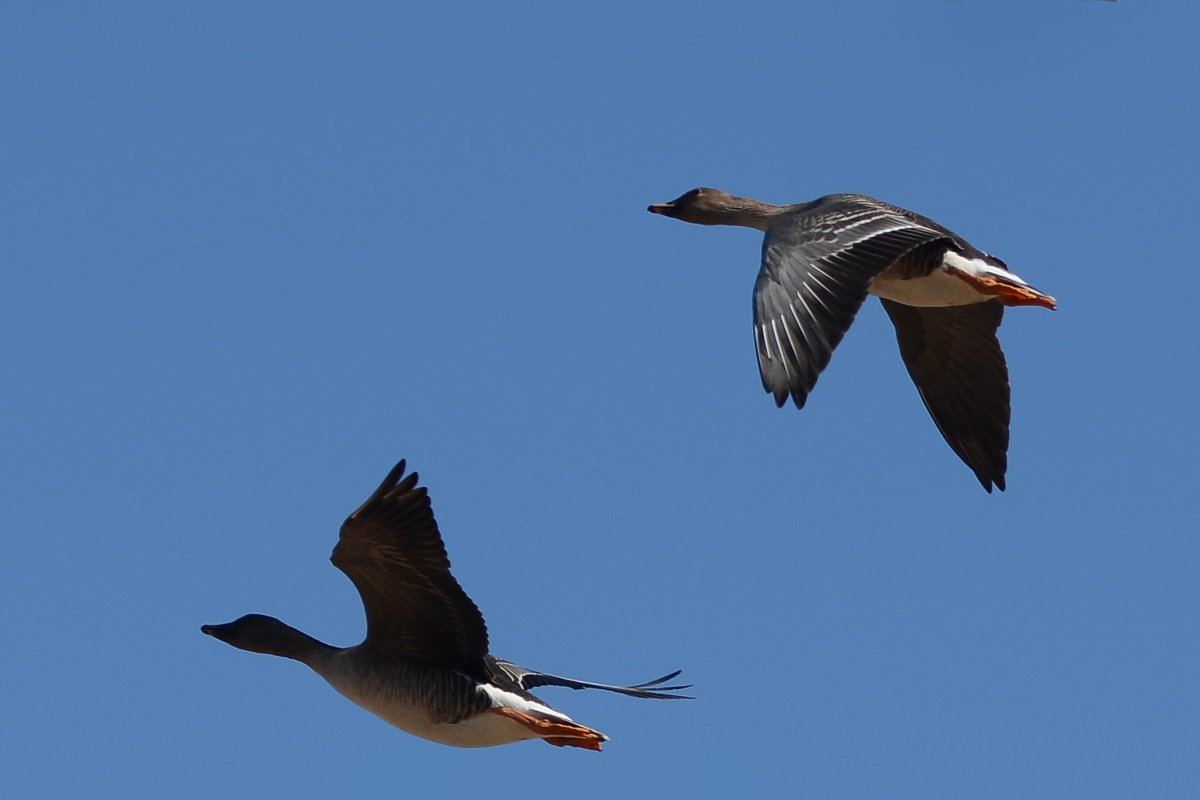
x,y
424,666
945,298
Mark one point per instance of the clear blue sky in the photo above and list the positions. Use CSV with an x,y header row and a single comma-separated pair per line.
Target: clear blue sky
x,y
256,253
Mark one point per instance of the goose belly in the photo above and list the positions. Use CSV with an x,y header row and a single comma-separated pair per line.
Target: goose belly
x,y
940,288
482,729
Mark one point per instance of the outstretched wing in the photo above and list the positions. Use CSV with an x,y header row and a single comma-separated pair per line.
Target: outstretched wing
x,y
955,360
505,672
392,551
817,265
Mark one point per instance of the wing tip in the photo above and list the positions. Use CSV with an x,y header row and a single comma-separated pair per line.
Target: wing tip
x,y
987,479
395,481
797,395
397,476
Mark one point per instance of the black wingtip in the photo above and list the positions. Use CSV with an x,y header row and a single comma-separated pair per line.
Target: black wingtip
x,y
663,679
659,691
781,397
394,479
987,481
391,480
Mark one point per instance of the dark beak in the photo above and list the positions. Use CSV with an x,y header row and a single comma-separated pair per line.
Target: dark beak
x,y
662,208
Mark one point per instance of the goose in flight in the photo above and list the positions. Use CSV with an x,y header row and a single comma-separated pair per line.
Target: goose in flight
x,y
821,259
424,665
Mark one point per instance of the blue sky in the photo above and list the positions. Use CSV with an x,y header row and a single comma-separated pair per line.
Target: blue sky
x,y
256,253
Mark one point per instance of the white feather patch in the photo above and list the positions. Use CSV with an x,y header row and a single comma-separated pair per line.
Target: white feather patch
x,y
977,266
502,699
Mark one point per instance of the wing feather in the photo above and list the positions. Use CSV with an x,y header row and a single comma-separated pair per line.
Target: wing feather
x,y
510,675
392,551
954,358
816,269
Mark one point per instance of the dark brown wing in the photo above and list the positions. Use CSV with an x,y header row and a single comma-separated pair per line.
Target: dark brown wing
x,y
392,551
955,360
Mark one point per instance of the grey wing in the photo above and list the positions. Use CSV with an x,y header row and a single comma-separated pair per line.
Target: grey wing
x,y
527,679
817,266
955,360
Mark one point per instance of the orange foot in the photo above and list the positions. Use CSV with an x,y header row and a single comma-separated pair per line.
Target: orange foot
x,y
1010,294
555,732
587,744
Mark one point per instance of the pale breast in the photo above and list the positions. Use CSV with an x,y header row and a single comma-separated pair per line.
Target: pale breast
x,y
481,729
443,706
